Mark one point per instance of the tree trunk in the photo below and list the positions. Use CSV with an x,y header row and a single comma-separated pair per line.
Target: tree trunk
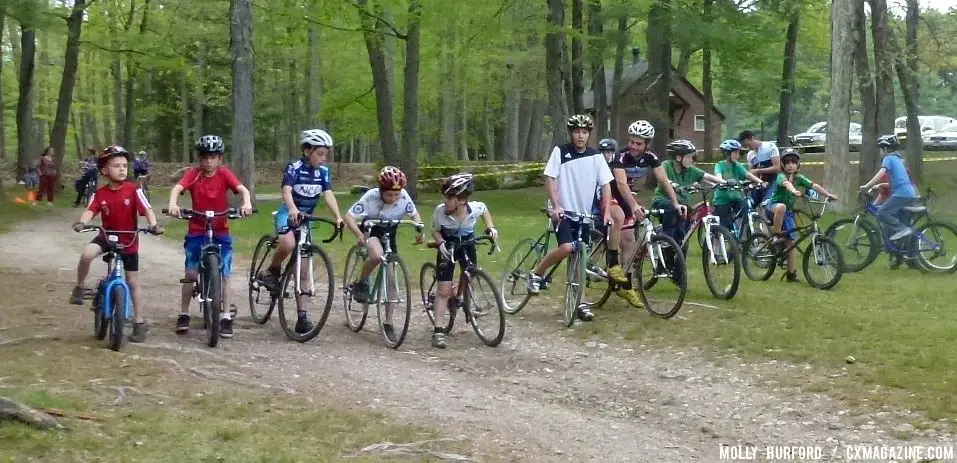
x,y
89,112
512,137
907,74
199,96
447,95
375,46
554,65
40,86
241,52
596,54
25,128
490,151
869,160
525,116
67,83
3,130
787,75
77,138
533,144
292,118
578,71
837,171
184,118
120,123
464,127
313,80
129,100
706,82
659,69
685,50
410,103
108,135
884,68
621,42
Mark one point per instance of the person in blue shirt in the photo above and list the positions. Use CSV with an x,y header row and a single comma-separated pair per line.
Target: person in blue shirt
x,y
305,181
903,193
765,161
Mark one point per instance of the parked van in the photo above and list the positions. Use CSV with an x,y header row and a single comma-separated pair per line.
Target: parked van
x,y
927,124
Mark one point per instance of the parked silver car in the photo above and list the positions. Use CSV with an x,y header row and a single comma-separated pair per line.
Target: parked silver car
x,y
816,136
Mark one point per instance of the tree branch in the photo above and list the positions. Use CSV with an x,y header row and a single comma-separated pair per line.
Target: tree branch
x,y
112,50
344,29
354,100
379,18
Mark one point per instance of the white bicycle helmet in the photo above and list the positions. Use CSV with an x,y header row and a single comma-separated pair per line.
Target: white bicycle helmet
x,y
210,144
642,129
580,121
681,148
458,185
316,137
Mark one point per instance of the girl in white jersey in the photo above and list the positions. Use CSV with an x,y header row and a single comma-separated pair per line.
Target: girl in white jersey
x,y
388,202
454,220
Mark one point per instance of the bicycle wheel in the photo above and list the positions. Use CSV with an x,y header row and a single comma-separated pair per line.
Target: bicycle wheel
x,y
428,286
826,254
859,240
100,323
316,290
519,265
759,258
356,313
262,301
118,301
212,297
662,259
573,287
397,296
930,246
721,262
484,308
598,287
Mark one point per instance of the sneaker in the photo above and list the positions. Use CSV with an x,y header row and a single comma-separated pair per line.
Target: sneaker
x,y
630,295
585,314
270,278
360,291
438,340
182,324
896,261
226,328
791,277
901,234
76,297
303,326
534,281
617,274
139,332
389,331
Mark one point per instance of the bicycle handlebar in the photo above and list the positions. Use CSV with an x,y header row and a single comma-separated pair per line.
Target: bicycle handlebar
x,y
187,214
474,241
105,232
337,230
368,223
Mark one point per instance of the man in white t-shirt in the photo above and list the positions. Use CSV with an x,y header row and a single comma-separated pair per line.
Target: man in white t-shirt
x,y
765,161
573,172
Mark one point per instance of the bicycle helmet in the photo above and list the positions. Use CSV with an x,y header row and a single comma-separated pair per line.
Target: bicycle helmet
x,y
790,153
459,185
730,145
391,178
608,144
681,148
111,152
141,155
580,121
642,129
316,137
888,141
210,144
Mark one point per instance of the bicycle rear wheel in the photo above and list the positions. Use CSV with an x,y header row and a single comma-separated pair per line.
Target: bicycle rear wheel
x,y
262,301
356,312
759,257
519,265
661,258
826,254
573,287
484,308
316,289
118,301
721,262
428,286
930,243
598,286
212,297
397,303
859,240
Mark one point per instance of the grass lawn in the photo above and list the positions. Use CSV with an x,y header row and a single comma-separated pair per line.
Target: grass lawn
x,y
898,325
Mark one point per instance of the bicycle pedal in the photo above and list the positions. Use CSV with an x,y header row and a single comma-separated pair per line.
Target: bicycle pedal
x,y
186,280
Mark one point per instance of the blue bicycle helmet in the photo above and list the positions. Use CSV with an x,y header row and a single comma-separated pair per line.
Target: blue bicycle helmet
x,y
730,145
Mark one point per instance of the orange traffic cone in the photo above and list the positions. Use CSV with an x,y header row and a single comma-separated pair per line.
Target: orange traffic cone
x,y
31,196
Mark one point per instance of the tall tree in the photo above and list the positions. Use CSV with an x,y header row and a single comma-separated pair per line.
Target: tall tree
x,y
410,105
241,52
706,80
375,45
199,105
74,23
884,67
657,94
313,80
26,133
787,74
596,53
843,38
3,130
621,42
869,157
907,75
578,71
553,69
131,72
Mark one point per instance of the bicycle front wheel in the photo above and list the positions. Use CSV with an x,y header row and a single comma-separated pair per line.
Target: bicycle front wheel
x,y
262,301
101,324
929,243
395,313
314,296
721,261
118,301
485,308
598,286
759,257
428,287
859,240
573,287
823,254
518,267
356,312
212,294
661,259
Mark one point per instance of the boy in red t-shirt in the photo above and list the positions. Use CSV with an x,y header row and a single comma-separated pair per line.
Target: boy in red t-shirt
x,y
118,203
207,186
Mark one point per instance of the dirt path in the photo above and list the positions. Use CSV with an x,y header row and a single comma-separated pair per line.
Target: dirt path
x,y
538,397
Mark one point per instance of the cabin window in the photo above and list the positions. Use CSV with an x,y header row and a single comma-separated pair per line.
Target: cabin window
x,y
699,123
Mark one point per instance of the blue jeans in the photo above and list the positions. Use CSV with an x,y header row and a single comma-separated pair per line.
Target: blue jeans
x,y
672,224
193,245
893,215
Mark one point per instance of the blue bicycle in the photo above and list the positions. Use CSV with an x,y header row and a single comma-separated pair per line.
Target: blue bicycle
x,y
112,302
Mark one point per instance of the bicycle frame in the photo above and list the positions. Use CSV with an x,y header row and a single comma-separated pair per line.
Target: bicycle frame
x,y
465,275
808,231
378,289
115,274
578,244
303,241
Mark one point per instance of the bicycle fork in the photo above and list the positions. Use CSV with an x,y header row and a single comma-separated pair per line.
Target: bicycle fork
x,y
300,255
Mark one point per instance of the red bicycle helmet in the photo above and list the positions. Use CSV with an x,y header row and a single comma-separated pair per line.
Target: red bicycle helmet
x,y
111,152
391,178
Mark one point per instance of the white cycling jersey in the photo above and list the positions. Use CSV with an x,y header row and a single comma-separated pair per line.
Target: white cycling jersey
x,y
448,226
370,206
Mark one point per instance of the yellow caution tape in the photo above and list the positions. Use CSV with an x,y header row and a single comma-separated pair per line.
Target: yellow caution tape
x,y
488,174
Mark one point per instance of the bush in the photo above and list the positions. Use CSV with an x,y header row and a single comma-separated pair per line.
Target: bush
x,y
532,177
488,179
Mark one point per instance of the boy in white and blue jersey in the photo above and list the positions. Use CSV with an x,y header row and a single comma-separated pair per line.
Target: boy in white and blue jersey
x,y
304,182
453,222
765,161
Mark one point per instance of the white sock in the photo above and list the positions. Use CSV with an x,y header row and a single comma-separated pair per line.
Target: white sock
x,y
224,316
184,314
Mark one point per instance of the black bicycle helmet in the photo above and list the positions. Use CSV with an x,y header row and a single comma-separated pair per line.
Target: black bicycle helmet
x,y
790,153
681,148
607,144
888,141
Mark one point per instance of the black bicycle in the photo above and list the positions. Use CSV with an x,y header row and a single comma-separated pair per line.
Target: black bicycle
x,y
208,289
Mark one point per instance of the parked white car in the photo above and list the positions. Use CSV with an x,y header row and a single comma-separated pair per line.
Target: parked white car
x,y
943,139
816,135
928,124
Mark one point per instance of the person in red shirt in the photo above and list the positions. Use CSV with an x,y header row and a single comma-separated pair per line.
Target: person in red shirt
x,y
207,185
118,203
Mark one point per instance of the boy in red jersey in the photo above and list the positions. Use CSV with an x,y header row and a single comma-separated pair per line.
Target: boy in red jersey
x,y
207,186
118,203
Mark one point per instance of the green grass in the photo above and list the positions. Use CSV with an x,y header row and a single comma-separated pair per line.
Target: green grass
x,y
14,212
